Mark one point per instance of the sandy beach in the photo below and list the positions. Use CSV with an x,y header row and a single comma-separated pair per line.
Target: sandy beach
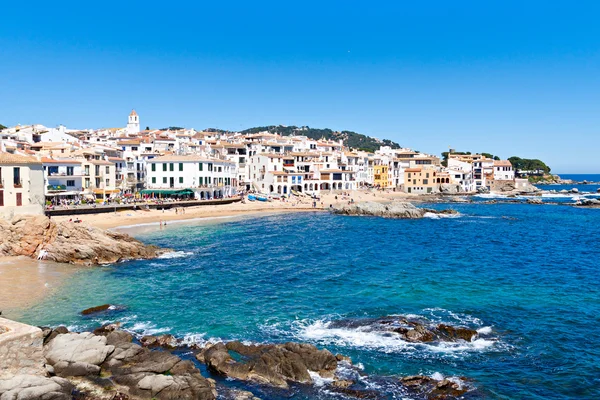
x,y
24,281
295,204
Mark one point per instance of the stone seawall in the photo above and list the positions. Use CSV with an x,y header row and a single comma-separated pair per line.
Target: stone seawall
x,y
21,349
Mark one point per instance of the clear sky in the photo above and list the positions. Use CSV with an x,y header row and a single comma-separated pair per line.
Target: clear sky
x,y
505,77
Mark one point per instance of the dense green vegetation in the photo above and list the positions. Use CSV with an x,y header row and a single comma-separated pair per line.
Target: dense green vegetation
x,y
2,127
173,128
526,164
351,139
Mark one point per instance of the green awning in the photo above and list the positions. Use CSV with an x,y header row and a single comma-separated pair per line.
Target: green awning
x,y
167,192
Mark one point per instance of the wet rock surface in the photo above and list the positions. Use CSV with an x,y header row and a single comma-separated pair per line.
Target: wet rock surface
x,y
435,389
272,364
410,329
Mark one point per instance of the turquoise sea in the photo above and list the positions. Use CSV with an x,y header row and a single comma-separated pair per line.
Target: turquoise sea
x,y
526,277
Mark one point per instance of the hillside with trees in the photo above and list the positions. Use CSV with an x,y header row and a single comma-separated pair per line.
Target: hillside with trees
x,y
535,166
351,139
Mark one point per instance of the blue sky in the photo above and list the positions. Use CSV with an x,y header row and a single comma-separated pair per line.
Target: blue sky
x,y
507,77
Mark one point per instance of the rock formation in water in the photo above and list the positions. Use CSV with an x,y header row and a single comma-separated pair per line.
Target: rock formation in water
x,y
397,209
67,242
409,329
271,364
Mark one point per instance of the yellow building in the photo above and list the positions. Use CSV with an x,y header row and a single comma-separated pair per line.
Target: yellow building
x,y
380,176
420,180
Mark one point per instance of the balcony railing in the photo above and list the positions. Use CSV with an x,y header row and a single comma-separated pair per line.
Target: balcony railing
x,y
18,183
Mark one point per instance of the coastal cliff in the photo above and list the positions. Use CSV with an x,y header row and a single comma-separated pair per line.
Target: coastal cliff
x,y
68,242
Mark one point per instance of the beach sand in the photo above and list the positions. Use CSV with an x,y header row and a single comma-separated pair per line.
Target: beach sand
x,y
296,204
24,281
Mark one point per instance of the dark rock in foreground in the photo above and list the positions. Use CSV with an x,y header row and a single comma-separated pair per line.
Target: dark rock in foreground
x,y
435,389
397,209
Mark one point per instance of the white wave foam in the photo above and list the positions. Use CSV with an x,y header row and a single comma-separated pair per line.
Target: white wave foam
x,y
486,330
146,328
387,342
318,380
440,216
175,254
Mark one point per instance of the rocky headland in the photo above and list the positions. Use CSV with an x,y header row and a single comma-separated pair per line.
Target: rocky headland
x,y
396,209
110,363
68,242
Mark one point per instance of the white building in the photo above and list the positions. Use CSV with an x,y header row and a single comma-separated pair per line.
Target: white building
x,y
208,178
133,123
62,178
21,185
503,171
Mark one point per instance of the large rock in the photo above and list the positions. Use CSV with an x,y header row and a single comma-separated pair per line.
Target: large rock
x,y
271,364
154,374
397,209
35,387
27,235
450,188
77,354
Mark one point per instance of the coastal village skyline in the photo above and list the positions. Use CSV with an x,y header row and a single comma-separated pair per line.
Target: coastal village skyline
x,y
111,164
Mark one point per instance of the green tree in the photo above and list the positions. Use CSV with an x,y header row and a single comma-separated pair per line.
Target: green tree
x,y
2,127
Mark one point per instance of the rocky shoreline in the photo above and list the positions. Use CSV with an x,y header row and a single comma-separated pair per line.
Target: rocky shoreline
x,y
69,242
110,363
396,209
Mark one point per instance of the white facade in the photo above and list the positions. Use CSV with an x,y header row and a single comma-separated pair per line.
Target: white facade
x,y
63,177
21,185
133,123
503,171
207,177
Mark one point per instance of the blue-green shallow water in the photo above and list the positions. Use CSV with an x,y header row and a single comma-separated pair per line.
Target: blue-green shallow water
x,y
526,276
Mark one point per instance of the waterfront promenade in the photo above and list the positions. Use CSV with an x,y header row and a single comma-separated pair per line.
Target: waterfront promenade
x,y
166,205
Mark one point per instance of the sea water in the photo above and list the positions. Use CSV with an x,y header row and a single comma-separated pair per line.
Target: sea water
x,y
525,276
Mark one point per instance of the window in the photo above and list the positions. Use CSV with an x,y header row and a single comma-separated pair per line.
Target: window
x,y
200,167
153,179
171,167
17,176
1,198
201,180
134,148
71,183
70,171
107,169
165,178
181,166
164,167
210,166
19,199
425,181
181,179
87,183
153,167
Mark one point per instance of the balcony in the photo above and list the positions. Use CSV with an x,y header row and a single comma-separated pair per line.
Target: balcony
x,y
56,188
18,183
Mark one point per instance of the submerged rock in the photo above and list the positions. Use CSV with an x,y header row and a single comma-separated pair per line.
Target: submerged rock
x,y
435,389
28,235
397,209
535,201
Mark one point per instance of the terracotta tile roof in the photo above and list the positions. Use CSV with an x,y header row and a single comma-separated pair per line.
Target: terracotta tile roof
x,y
9,158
